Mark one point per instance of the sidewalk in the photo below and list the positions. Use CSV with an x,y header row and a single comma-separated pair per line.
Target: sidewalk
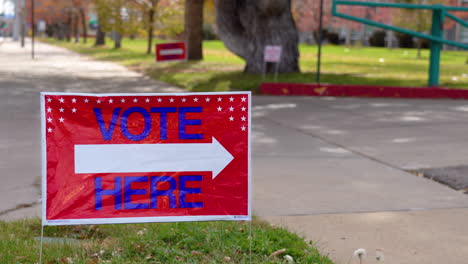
x,y
21,81
331,169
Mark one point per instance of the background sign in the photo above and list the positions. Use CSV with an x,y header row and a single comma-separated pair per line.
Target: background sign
x,y
126,158
272,53
171,51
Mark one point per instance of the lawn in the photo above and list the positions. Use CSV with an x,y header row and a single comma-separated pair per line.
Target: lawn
x,y
222,71
202,242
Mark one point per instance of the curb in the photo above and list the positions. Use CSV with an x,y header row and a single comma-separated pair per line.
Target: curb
x,y
339,90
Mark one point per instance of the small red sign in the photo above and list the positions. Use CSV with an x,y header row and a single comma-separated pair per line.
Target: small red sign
x,y
128,158
171,52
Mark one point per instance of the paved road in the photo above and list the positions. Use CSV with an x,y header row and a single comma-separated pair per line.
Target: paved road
x,y
332,169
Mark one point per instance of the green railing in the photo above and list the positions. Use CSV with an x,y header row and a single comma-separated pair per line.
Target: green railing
x,y
439,12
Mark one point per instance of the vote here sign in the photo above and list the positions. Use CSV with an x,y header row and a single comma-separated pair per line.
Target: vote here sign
x,y
131,158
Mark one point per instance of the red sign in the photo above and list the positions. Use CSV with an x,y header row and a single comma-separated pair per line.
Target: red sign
x,y
171,51
128,158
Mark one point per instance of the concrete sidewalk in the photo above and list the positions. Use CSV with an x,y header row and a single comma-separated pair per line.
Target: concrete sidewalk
x,y
21,80
332,169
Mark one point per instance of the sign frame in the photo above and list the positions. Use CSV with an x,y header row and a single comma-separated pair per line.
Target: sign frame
x,y
182,45
151,219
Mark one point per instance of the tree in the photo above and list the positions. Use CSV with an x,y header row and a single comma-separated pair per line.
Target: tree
x,y
194,28
110,13
247,26
416,19
169,15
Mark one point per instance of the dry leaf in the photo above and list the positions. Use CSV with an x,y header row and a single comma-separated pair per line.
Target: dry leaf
x,y
278,252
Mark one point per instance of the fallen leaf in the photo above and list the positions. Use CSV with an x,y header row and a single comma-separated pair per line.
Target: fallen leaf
x,y
278,252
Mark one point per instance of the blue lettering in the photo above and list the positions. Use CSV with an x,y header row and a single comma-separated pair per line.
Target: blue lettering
x,y
189,122
163,119
99,192
169,192
107,133
124,123
129,192
184,191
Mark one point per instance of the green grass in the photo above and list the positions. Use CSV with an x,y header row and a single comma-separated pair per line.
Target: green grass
x,y
222,71
202,242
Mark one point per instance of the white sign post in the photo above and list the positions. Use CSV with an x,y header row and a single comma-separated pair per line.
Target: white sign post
x,y
272,54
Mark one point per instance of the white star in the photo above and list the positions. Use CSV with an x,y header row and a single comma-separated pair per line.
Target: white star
x,y
243,118
207,99
147,100
159,100
74,100
220,108
220,99
49,100
243,108
243,128
61,119
135,100
49,120
111,101
49,110
231,118
231,109
231,99
61,110
243,99
98,101
195,99
123,100
183,100
62,100
49,130
74,110
171,100
86,100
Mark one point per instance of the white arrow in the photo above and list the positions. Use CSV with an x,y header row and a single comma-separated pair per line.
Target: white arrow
x,y
121,158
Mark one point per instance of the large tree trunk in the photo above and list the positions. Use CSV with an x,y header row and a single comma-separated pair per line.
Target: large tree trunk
x,y
194,28
100,37
247,26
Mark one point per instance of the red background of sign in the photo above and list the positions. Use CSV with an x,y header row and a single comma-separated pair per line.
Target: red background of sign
x,y
71,196
169,46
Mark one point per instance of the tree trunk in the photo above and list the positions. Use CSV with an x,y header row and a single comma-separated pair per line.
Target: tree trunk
x,y
419,46
76,30
68,26
84,26
247,26
194,28
117,40
150,29
100,37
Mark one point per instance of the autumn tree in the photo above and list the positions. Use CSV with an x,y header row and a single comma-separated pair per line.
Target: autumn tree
x,y
419,20
247,26
169,17
111,18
